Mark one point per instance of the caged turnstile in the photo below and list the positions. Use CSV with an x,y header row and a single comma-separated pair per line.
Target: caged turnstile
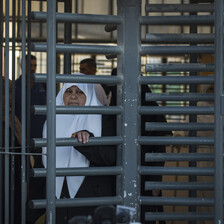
x,y
130,47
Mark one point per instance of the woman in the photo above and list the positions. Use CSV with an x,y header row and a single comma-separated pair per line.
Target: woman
x,y
82,127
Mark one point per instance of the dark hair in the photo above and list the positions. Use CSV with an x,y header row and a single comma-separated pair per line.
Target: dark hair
x,y
89,61
32,57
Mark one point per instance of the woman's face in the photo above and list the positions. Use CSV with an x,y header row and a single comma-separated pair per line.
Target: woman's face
x,y
73,96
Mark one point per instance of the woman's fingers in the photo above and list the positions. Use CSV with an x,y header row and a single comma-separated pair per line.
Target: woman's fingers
x,y
82,136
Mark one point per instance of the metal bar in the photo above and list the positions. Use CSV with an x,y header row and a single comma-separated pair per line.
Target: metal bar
x,y
78,48
144,110
176,50
177,20
12,143
176,80
179,8
28,100
51,114
179,185
1,109
173,67
90,171
153,170
79,18
113,140
177,201
179,97
218,149
154,157
23,116
129,64
80,110
102,79
185,216
156,140
6,140
78,202
179,38
67,37
158,126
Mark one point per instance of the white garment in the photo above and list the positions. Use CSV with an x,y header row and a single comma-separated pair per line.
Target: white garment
x,y
101,95
66,125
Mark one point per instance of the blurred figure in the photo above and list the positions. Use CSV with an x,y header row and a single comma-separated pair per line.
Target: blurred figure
x,y
88,67
38,97
15,167
36,186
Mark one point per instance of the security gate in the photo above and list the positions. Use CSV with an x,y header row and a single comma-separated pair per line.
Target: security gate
x,y
131,47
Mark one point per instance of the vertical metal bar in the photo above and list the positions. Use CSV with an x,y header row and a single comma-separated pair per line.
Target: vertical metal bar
x,y
67,38
18,18
1,108
12,144
6,156
218,115
28,98
192,118
23,116
129,66
51,114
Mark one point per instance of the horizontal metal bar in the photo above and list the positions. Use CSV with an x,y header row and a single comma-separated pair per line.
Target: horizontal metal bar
x,y
38,109
177,20
181,216
144,110
66,78
176,50
179,38
176,80
113,140
74,202
179,97
154,157
196,171
78,18
78,48
179,8
159,126
178,185
184,67
161,140
79,171
177,201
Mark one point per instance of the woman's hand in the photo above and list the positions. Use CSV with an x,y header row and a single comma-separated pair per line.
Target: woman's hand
x,y
82,136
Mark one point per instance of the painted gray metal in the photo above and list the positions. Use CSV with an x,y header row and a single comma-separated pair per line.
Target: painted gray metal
x,y
179,8
103,79
6,156
218,206
129,65
1,103
51,114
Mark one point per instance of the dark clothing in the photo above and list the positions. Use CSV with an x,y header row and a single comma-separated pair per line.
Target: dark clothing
x,y
36,186
150,149
93,186
38,97
14,170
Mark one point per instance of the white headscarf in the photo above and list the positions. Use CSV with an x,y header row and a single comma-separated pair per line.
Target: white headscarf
x,y
66,125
